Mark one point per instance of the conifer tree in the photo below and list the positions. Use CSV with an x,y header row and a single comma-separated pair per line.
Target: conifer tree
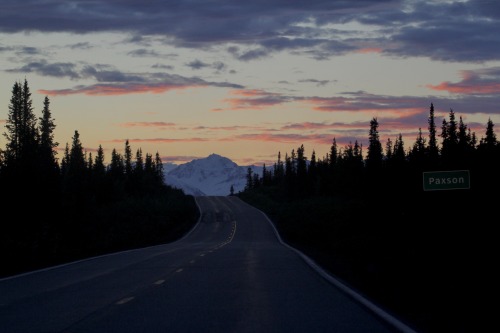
x,y
65,161
116,167
139,162
399,154
46,128
99,169
374,158
490,139
312,169
279,170
148,164
388,150
249,179
433,146
75,178
47,144
22,133
417,154
301,168
449,135
159,176
333,154
127,159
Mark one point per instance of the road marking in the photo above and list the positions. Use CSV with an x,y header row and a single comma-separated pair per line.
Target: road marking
x,y
192,261
202,255
125,300
159,282
179,270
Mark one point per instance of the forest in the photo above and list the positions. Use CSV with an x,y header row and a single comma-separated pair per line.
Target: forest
x,y
55,211
425,255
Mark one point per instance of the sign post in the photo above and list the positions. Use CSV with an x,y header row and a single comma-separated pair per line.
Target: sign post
x,y
446,180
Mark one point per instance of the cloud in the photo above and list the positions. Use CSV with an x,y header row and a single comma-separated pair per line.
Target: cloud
x,y
161,66
160,140
117,89
42,67
474,82
225,128
255,99
143,53
441,30
80,46
289,138
159,124
197,64
318,83
179,158
114,82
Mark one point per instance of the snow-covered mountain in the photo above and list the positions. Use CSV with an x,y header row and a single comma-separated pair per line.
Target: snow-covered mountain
x,y
212,175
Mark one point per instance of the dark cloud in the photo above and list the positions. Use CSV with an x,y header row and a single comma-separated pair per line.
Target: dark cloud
x,y
403,106
112,82
197,64
143,53
318,83
44,68
442,30
218,66
161,66
81,46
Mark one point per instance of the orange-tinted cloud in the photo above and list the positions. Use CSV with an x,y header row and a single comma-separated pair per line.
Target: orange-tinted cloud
x,y
118,89
283,138
162,140
147,124
254,99
474,82
369,50
368,103
226,128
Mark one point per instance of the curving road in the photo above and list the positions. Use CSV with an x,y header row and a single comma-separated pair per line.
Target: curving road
x,y
231,273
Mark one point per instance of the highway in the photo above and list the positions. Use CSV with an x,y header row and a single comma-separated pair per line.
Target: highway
x,y
230,273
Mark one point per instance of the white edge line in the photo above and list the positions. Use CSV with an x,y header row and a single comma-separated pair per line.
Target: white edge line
x,y
383,314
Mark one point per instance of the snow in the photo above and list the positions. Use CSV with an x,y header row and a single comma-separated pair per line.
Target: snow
x,y
212,175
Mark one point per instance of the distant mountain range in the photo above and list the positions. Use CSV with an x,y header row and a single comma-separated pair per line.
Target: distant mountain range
x,y
212,175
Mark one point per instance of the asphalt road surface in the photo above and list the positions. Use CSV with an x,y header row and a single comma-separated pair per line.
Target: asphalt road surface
x,y
231,273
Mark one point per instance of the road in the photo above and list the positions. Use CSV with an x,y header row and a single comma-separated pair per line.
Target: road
x,y
231,273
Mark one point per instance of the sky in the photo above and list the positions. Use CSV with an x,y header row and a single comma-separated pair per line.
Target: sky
x,y
248,80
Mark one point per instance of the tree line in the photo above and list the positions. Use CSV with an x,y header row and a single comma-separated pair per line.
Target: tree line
x,y
349,170
71,208
363,214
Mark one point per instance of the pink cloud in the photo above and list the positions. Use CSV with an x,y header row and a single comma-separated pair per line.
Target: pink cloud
x,y
162,140
118,89
147,124
369,50
254,99
367,103
483,81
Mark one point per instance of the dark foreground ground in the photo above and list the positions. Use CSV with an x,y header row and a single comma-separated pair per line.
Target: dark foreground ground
x,y
429,261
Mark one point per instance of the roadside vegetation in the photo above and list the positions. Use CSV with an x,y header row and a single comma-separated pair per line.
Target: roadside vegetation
x,y
59,210
425,255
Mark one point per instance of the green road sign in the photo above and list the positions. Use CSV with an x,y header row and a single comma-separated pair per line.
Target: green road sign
x,y
446,180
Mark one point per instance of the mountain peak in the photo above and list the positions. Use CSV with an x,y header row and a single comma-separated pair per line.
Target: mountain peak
x,y
211,175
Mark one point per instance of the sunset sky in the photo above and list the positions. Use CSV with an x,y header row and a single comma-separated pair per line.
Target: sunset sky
x,y
249,79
